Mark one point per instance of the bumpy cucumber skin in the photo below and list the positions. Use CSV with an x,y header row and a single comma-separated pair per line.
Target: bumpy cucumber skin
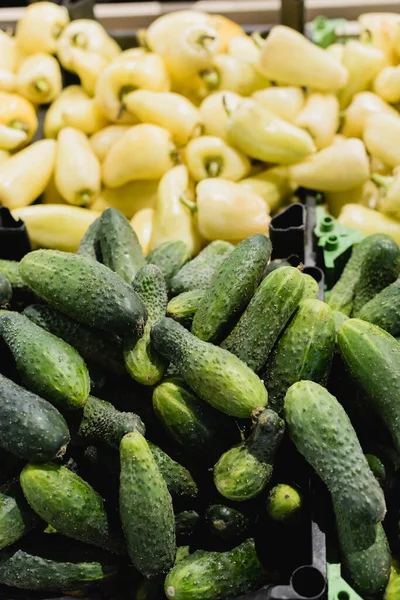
x,y
49,366
226,522
31,428
231,288
10,269
269,310
304,351
29,572
146,510
311,287
170,257
378,468
198,273
384,309
215,575
323,433
120,247
141,361
90,243
284,502
338,318
12,526
178,479
5,291
373,358
218,377
84,290
183,307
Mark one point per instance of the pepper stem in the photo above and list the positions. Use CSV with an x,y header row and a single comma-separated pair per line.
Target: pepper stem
x,y
213,167
41,85
84,197
192,206
18,124
211,78
79,39
381,180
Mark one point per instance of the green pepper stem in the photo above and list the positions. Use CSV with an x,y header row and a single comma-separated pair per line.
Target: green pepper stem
x,y
192,206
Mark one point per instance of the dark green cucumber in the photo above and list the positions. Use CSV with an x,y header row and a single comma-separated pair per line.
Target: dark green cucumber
x,y
10,269
49,366
141,361
183,307
373,358
338,318
304,351
277,263
179,481
284,502
265,317
380,268
231,288
95,347
5,291
323,433
244,471
90,243
30,427
120,248
16,517
378,468
84,290
384,309
146,509
186,523
218,377
198,273
226,523
311,287
215,575
170,257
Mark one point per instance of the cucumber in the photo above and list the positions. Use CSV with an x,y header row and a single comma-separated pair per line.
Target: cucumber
x,y
141,361
231,288
146,509
304,351
90,243
323,433
84,290
183,307
5,291
269,310
215,575
244,471
373,358
284,502
226,523
67,503
49,366
182,552
30,427
218,377
95,347
393,588
147,590
180,482
311,287
338,318
186,523
384,309
170,257
380,268
16,517
198,273
120,248
10,269
378,468
277,263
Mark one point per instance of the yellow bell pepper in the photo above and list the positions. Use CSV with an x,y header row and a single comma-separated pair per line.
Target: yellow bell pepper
x,y
363,62
320,117
209,156
39,78
11,139
56,226
142,224
85,116
88,35
51,195
337,50
161,31
272,185
284,102
143,152
40,26
378,166
102,140
288,57
172,219
244,47
17,113
7,81
366,194
387,84
232,73
8,52
128,55
4,155
368,221
227,211
77,171
337,168
132,197
227,30
363,105
381,137
166,109
260,134
215,110
389,202
71,96
25,175
379,29
88,66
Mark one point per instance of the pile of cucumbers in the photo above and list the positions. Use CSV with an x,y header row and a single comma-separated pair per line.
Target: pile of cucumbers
x,y
153,411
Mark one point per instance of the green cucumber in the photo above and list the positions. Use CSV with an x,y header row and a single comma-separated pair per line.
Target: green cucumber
x,y
215,575
84,290
186,523
10,269
182,552
183,307
231,288
170,257
393,588
265,317
94,346
384,309
90,243
373,358
141,361
49,366
120,248
323,433
218,377
244,471
146,509
284,502
311,287
380,268
226,523
180,482
304,351
277,263
198,273
5,291
16,517
378,468
30,427
338,318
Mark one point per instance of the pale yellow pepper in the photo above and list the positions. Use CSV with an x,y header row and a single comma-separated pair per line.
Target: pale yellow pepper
x,y
363,105
88,66
17,113
40,27
368,221
234,74
9,54
25,175
7,81
56,226
210,156
381,137
379,29
245,48
144,152
320,117
51,195
363,62
389,202
85,116
71,96
102,140
11,138
285,102
337,50
228,31
132,197
272,185
215,111
161,31
142,224
4,155
88,35
131,53
366,194
77,170
387,84
39,78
